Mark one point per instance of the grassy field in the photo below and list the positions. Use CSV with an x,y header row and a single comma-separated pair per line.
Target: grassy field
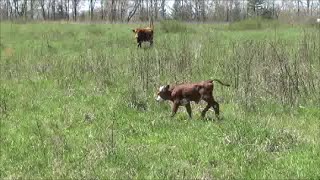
x,y
77,101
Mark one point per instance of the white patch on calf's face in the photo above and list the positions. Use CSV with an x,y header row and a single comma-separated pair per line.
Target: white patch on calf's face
x,y
159,98
161,88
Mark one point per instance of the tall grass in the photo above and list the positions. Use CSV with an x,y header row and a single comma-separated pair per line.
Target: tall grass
x,y
174,26
257,23
77,101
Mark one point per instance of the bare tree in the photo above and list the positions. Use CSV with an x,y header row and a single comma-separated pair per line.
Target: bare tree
x,y
298,2
48,8
123,9
229,9
60,10
113,11
163,8
308,6
156,9
24,9
8,5
42,4
203,10
102,9
53,5
67,9
75,4
254,6
91,8
134,9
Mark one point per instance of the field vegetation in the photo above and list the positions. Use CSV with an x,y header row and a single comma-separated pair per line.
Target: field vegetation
x,y
78,101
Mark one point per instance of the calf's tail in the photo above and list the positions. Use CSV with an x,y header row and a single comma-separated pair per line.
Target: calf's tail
x,y
220,82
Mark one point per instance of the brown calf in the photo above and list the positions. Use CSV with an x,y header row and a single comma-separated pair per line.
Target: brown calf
x,y
144,34
183,94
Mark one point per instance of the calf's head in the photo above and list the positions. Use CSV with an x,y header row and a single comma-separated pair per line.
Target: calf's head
x,y
163,93
135,31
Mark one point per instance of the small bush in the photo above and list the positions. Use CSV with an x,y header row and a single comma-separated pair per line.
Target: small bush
x,y
95,30
253,24
248,24
173,26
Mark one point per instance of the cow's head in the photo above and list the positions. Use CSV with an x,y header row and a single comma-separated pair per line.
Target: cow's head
x,y
163,93
135,31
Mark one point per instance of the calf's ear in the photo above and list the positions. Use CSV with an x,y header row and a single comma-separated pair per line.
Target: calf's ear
x,y
133,30
167,87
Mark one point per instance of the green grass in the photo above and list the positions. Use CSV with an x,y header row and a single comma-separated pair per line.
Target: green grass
x,y
77,101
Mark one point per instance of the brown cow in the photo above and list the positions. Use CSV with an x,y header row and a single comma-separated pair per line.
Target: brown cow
x,y
144,34
183,94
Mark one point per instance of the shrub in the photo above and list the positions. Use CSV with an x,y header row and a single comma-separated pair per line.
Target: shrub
x,y
174,26
253,24
247,24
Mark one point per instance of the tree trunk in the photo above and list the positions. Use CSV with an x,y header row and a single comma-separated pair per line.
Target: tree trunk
x,y
298,7
43,9
141,10
31,9
101,6
121,10
48,9
196,10
134,10
148,10
68,9
7,9
203,10
61,16
25,9
54,9
16,8
156,10
308,6
112,11
228,16
163,9
66,6
75,11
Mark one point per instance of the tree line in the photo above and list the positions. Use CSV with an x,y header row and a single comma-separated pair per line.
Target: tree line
x,y
142,10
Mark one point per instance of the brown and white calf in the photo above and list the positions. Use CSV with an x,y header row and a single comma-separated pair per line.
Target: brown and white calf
x,y
183,94
144,34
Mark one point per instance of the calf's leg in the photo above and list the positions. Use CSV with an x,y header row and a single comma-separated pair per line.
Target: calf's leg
x,y
188,107
151,42
211,103
215,106
175,107
204,111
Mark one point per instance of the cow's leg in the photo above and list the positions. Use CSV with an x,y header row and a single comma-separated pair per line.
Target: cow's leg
x,y
175,107
204,111
151,42
139,44
188,107
215,106
209,99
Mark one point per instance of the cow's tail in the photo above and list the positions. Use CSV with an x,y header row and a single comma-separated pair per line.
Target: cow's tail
x,y
220,82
